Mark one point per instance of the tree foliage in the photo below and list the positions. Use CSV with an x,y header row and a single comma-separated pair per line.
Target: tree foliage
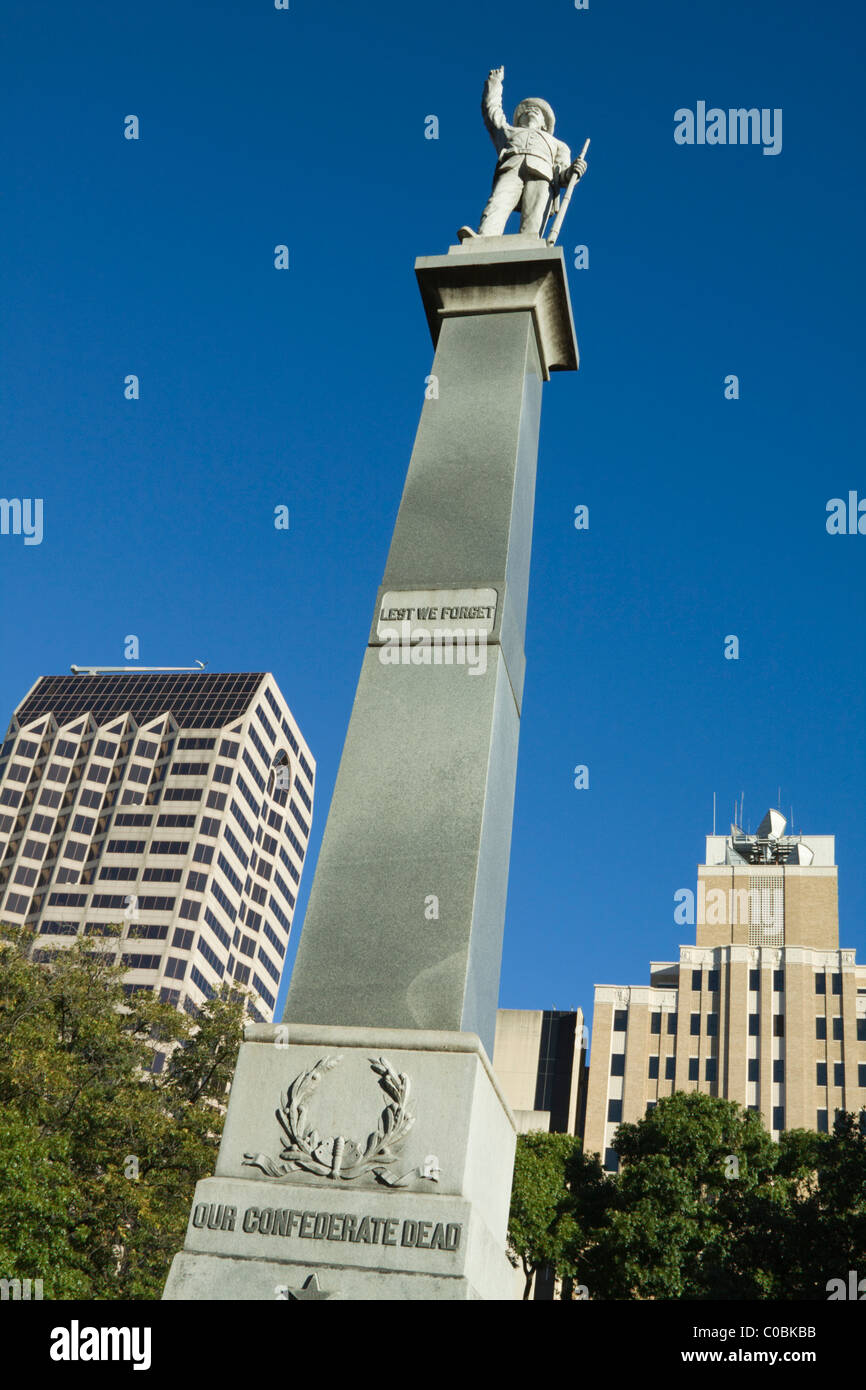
x,y
556,1196
99,1155
705,1206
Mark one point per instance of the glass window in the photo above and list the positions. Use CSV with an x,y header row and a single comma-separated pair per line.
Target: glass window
x,y
837,983
821,1122
654,1067
693,1068
713,981
837,1029
820,1027
821,1073
779,1070
754,1025
620,1019
754,980
672,1023
695,1025
778,1031
754,1069
696,981
820,984
617,1064
655,1023
711,1069
614,1111
712,1025
670,1068
778,980
838,1073
778,1117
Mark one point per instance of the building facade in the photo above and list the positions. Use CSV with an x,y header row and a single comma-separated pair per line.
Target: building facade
x,y
540,1061
176,804
764,1009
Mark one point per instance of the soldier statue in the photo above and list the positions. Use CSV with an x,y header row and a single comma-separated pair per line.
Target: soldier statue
x,y
532,167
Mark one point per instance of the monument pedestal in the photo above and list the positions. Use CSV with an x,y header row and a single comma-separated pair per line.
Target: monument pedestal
x,y
355,1163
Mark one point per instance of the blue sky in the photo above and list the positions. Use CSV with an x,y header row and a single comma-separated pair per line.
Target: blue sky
x,y
260,387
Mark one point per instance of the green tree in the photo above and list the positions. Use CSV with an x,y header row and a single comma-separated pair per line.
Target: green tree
x,y
696,1172
99,1155
557,1195
823,1235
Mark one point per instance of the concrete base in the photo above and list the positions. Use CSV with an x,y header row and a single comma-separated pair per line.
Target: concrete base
x,y
355,1163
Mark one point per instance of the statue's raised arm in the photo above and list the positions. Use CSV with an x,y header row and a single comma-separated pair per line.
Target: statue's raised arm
x,y
532,166
491,108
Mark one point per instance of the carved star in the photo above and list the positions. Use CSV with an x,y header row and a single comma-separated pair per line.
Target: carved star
x,y
311,1291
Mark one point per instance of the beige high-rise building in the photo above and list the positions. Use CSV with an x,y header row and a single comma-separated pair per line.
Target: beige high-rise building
x,y
177,804
764,1009
539,1057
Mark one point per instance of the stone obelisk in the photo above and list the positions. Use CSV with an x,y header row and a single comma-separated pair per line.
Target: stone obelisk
x,y
368,1150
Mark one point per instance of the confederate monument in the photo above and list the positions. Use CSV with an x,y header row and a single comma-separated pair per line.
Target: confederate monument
x,y
368,1150
532,165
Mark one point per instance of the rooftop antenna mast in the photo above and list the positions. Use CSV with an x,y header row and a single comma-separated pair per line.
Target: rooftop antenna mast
x,y
111,670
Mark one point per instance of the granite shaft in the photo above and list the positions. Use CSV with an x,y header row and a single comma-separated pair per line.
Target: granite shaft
x,y
405,919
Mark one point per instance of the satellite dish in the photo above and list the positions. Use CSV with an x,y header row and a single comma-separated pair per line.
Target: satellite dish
x,y
772,826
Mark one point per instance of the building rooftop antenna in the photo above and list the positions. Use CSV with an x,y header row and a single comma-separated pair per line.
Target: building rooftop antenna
x,y
111,670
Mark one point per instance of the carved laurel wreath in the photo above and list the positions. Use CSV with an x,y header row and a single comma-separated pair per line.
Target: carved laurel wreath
x,y
338,1156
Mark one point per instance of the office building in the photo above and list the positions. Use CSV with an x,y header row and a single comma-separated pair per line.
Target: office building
x,y
539,1058
764,1008
177,804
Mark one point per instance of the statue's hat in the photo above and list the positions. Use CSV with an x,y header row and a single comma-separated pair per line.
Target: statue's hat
x,y
543,106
